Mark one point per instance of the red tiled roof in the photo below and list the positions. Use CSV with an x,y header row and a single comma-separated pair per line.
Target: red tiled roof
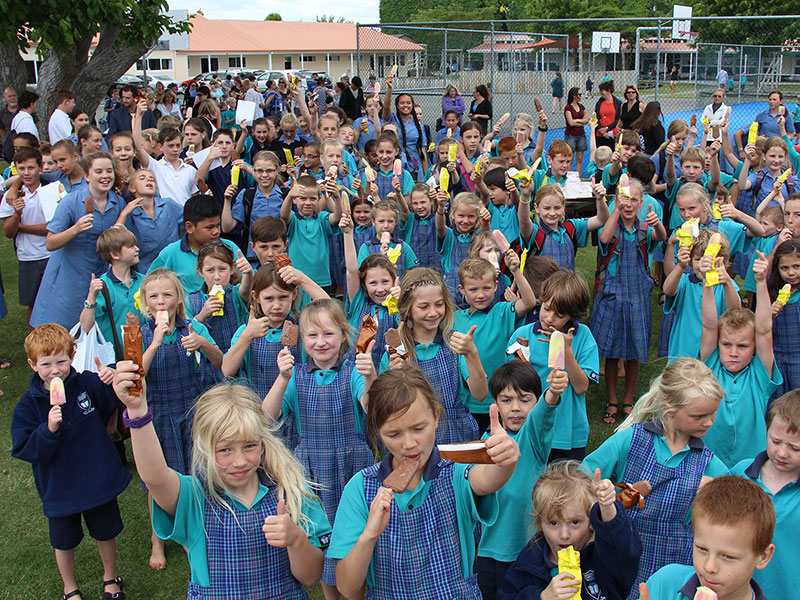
x,y
505,46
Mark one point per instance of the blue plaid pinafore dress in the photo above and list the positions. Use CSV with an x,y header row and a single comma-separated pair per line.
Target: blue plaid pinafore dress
x,y
384,183
373,245
423,240
336,251
385,323
785,333
458,255
263,373
666,539
622,318
443,374
174,382
562,252
221,328
241,564
417,556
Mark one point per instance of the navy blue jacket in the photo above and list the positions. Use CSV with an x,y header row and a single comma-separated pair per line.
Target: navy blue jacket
x,y
609,563
120,120
77,467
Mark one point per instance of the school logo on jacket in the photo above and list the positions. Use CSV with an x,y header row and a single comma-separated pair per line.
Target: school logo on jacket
x,y
85,403
591,587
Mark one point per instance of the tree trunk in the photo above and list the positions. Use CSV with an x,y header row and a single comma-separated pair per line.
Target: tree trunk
x,y
12,69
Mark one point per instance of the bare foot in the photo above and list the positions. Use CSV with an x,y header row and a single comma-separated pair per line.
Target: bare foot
x,y
158,560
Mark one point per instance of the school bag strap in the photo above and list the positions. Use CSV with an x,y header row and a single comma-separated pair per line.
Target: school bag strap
x,y
114,333
603,260
760,181
541,236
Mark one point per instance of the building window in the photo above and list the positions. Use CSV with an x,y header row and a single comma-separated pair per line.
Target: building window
x,y
206,68
287,62
155,64
309,58
401,59
237,62
335,58
32,70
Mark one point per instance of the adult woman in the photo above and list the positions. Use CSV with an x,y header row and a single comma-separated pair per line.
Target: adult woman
x,y
558,91
160,89
78,118
168,105
632,108
673,78
480,110
649,128
352,99
576,117
209,112
410,132
452,100
607,109
190,96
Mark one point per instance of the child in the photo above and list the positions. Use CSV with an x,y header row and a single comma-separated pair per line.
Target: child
x,y
571,509
74,231
368,127
385,216
564,302
777,470
90,139
537,270
450,127
469,150
559,157
495,321
622,317
771,220
692,165
328,399
217,179
484,245
528,417
245,500
553,234
453,244
774,153
308,229
738,349
500,196
627,146
48,164
443,503
117,246
786,270
660,442
733,523
201,215
386,181
260,140
331,153
268,239
195,139
75,466
420,227
120,147
368,286
216,265
24,221
426,321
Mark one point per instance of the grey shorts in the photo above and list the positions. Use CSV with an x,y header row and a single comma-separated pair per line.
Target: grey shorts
x,y
30,277
576,142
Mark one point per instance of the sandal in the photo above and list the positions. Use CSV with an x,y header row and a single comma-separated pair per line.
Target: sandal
x,y
611,418
626,409
75,592
116,595
5,363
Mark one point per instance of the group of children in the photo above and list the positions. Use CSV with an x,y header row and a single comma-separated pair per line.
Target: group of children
x,y
258,449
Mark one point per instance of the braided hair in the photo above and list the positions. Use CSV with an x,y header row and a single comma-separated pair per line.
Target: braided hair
x,y
420,134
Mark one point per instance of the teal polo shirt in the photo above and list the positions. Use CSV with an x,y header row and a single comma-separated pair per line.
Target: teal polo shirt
x,y
774,579
187,525
543,177
122,303
740,428
406,183
506,538
172,337
445,248
505,218
761,244
308,246
679,582
572,422
351,517
182,260
608,179
495,325
612,455
242,311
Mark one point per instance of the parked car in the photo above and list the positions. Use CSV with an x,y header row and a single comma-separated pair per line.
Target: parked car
x,y
261,80
126,80
153,79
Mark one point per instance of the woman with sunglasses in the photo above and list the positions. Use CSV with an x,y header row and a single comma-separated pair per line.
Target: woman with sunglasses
x,y
632,107
716,112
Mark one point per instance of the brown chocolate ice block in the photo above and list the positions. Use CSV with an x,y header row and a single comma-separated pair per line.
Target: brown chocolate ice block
x,y
289,335
401,477
132,349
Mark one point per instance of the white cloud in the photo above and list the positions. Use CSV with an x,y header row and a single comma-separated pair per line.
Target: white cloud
x,y
358,11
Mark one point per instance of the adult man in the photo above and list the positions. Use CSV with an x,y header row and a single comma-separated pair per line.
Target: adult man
x,y
23,120
251,95
9,110
722,78
59,126
122,118
714,112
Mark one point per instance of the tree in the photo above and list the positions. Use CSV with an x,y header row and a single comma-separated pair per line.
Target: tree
x,y
743,31
64,33
273,17
330,19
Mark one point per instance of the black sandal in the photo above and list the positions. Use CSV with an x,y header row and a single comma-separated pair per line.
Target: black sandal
x,y
611,418
116,595
629,408
5,363
75,592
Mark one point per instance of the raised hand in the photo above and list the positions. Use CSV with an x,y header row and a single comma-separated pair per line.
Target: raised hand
x,y
499,446
285,363
760,267
364,365
380,511
463,343
54,418
279,529
105,373
191,342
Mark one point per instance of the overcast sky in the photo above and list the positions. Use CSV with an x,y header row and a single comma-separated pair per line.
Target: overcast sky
x,y
359,11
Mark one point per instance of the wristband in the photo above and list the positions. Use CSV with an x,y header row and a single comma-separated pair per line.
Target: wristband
x,y
542,128
138,422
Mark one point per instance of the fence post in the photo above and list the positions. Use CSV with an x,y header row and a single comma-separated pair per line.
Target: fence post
x,y
741,56
636,60
758,74
358,50
445,62
658,58
491,58
566,64
696,71
511,40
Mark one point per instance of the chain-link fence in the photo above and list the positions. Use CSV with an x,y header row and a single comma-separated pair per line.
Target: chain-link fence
x,y
675,62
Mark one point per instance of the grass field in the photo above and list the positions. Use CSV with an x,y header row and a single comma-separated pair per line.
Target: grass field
x,y
30,570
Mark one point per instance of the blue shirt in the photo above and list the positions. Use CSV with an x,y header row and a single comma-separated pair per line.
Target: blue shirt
x,y
679,582
153,234
122,303
504,218
308,246
768,124
180,258
364,136
263,206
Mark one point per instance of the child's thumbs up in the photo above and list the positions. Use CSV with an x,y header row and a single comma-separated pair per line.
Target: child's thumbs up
x,y
252,312
471,332
494,420
644,593
596,478
98,363
191,330
281,508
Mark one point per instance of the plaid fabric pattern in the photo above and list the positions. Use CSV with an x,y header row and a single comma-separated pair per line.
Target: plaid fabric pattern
x,y
241,564
785,333
622,318
458,255
417,556
423,242
442,373
385,323
174,382
384,183
373,244
562,252
221,329
336,255
665,537
664,331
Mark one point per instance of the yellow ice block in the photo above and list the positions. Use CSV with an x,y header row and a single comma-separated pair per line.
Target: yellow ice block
x,y
57,394
784,293
783,177
219,292
431,146
444,180
715,211
452,152
752,135
235,175
394,254
391,304
569,561
289,157
712,250
522,176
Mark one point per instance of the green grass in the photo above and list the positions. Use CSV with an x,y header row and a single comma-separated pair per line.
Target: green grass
x,y
29,566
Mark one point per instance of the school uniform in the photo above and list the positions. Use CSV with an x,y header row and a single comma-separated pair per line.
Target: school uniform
x,y
762,244
501,542
365,135
69,270
330,422
447,373
641,452
383,179
774,579
357,309
610,181
495,324
557,243
122,303
336,249
679,582
63,179
176,183
263,206
252,147
428,548
407,259
608,563
454,249
505,219
622,317
180,258
229,556
174,383
785,333
411,138
153,234
543,176
422,237
572,422
308,246
740,428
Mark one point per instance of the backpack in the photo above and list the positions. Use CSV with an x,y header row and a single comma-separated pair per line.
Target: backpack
x,y
760,181
541,236
613,250
241,233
